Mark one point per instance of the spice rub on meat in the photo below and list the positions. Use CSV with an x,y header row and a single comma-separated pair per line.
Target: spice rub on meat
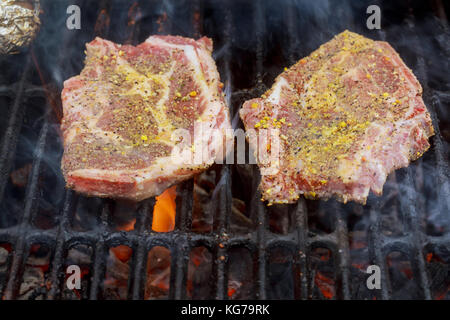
x,y
348,114
120,114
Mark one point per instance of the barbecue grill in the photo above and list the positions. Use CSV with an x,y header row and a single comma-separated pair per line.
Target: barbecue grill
x,y
310,250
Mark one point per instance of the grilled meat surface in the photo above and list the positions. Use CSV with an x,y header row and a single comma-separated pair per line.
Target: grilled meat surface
x,y
121,112
348,115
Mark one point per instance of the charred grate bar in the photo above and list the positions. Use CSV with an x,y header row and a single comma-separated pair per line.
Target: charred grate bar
x,y
300,241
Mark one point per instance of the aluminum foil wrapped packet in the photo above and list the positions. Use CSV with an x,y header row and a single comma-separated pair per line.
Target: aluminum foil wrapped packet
x,y
19,24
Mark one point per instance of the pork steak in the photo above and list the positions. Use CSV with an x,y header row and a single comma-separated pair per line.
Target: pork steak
x,y
348,115
121,112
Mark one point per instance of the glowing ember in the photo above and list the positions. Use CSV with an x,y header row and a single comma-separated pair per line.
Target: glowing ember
x,y
123,253
129,226
325,284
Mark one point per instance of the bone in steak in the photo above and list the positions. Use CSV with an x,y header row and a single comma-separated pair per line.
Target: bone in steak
x,y
121,111
348,115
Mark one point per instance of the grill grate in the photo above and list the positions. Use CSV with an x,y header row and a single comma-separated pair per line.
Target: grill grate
x,y
300,241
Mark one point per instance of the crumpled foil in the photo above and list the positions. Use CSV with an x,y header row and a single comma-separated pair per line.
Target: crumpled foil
x,y
18,24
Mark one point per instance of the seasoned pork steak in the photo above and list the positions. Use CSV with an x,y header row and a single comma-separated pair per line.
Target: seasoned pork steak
x,y
348,115
121,111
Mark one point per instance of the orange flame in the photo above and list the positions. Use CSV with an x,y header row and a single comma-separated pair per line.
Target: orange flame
x,y
164,211
163,221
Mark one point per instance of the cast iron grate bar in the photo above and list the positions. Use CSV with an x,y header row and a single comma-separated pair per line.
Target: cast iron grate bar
x,y
100,254
375,241
301,211
260,216
60,248
222,206
342,253
409,209
137,273
22,242
11,135
375,238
